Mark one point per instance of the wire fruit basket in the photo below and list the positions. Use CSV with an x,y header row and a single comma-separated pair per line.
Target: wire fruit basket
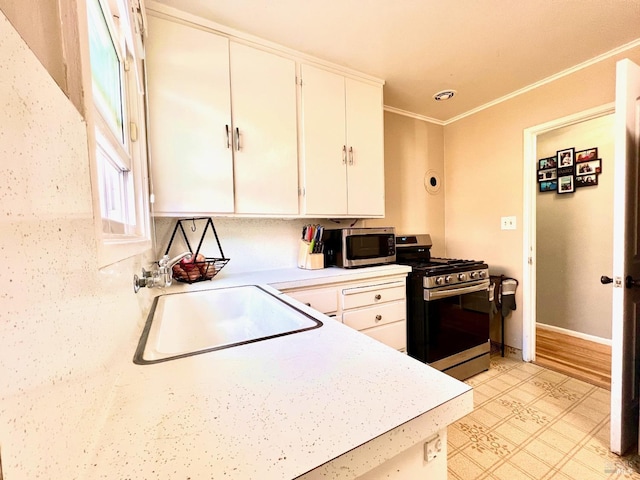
x,y
198,267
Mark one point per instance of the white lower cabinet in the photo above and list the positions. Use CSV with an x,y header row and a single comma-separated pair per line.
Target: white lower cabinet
x,y
414,462
378,310
376,307
324,300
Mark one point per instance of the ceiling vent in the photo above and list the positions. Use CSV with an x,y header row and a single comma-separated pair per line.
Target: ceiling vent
x,y
444,95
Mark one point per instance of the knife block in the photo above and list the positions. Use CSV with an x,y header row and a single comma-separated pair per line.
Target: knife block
x,y
309,261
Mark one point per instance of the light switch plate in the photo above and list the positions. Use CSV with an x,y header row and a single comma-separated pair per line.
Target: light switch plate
x,y
432,448
507,223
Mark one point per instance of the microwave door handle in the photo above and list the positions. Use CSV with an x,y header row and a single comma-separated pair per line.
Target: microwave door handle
x,y
439,294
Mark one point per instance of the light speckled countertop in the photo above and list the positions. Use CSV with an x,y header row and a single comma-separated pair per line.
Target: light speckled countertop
x,y
328,403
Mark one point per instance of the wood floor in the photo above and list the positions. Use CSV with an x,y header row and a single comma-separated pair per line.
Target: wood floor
x,y
575,357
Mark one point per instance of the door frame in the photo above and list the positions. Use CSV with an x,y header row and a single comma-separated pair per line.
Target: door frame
x,y
529,219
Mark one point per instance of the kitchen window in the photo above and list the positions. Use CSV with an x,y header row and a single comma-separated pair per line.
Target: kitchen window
x,y
115,116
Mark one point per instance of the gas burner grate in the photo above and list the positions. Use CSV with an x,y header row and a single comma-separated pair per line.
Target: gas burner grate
x,y
446,266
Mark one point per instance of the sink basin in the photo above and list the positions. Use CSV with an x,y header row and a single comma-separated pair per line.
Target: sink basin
x,y
184,324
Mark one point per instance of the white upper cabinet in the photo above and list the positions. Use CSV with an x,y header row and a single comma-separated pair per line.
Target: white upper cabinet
x,y
342,145
223,124
189,112
324,150
365,155
263,98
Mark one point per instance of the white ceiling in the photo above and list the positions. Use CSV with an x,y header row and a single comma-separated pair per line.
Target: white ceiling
x,y
484,49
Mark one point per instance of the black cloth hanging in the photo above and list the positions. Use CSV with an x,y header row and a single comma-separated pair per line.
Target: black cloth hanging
x,y
508,295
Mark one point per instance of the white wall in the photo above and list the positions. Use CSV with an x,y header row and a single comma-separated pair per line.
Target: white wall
x,y
66,326
574,237
484,169
412,149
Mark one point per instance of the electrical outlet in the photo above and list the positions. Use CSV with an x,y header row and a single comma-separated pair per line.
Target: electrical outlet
x,y
507,223
432,448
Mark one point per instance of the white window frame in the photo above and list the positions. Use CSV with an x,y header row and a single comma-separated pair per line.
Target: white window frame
x,y
116,240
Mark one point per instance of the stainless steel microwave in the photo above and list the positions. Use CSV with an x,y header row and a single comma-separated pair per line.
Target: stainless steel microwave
x,y
359,247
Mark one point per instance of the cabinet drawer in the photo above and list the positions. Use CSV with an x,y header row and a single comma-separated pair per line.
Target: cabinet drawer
x,y
372,295
376,315
392,334
324,300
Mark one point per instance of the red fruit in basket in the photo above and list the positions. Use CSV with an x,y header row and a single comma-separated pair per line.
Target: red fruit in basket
x,y
187,264
186,269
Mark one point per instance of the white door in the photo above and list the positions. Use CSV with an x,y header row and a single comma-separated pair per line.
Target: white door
x,y
324,150
365,149
265,137
189,117
626,260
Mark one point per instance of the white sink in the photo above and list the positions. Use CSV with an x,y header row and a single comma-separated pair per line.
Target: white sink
x,y
184,324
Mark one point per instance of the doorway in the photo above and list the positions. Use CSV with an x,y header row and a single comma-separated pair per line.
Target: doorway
x,y
574,238
540,141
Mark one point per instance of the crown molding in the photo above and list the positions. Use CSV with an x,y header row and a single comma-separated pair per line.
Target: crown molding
x,y
405,113
576,68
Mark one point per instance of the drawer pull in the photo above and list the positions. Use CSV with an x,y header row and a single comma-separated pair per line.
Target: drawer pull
x,y
378,317
378,297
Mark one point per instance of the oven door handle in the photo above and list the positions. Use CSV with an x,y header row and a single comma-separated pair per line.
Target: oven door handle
x,y
451,292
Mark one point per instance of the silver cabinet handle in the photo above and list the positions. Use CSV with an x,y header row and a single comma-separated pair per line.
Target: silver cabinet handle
x,y
237,139
378,317
344,154
378,297
350,155
226,128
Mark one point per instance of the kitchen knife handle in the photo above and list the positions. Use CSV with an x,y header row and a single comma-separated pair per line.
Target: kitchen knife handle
x,y
344,154
350,155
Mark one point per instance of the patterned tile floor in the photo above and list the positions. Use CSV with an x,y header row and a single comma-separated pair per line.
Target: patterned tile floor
x,y
533,423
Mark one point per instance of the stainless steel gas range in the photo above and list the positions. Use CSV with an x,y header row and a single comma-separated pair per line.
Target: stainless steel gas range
x,y
448,309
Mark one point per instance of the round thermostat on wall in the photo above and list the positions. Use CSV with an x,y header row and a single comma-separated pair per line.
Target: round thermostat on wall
x,y
432,182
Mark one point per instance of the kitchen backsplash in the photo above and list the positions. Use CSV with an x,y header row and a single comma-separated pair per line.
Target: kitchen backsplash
x,y
251,243
65,324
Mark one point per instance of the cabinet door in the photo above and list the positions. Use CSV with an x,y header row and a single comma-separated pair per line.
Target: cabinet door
x,y
392,334
373,294
370,317
324,300
365,142
323,142
189,112
263,98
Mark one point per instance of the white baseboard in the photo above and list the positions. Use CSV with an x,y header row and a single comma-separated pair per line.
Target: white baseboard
x,y
572,333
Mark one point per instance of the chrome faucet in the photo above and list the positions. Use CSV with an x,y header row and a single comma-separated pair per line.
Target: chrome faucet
x,y
160,277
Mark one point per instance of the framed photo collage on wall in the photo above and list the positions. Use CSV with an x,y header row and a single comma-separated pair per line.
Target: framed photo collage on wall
x,y
569,169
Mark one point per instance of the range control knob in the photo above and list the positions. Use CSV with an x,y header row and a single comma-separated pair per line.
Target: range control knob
x,y
439,280
473,275
462,277
482,274
447,279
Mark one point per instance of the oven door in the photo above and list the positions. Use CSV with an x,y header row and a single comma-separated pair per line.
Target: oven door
x,y
449,325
